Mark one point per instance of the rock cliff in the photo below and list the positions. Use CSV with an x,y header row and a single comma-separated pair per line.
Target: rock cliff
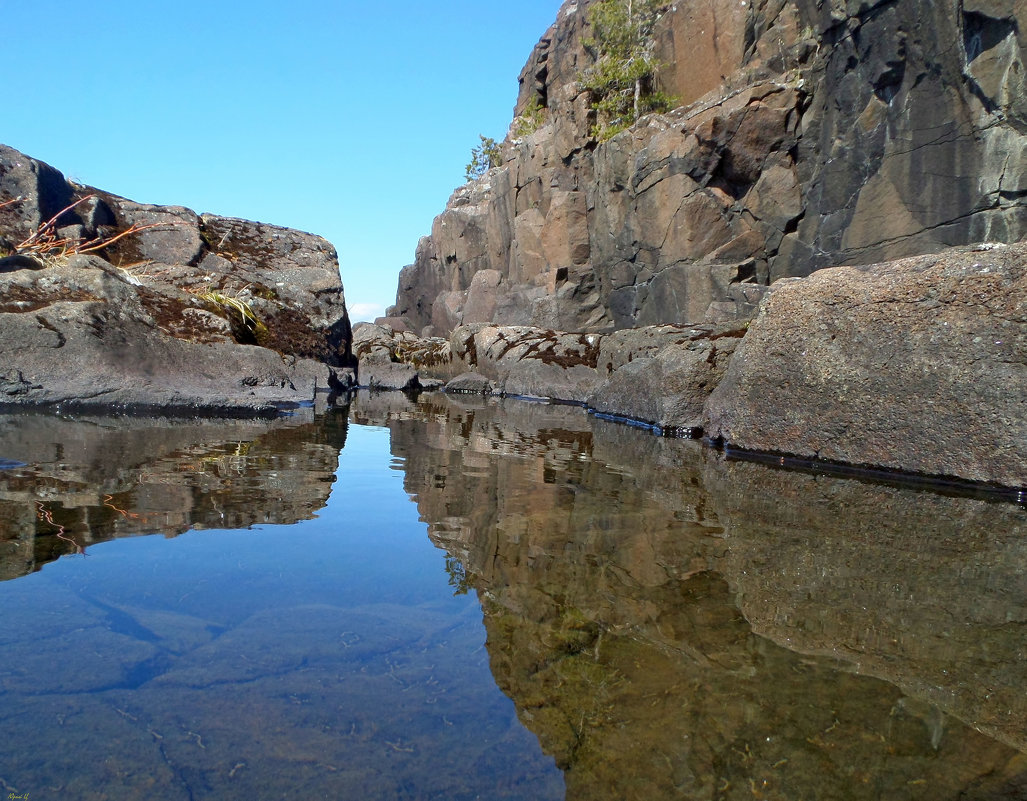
x,y
886,141
104,301
808,135
917,364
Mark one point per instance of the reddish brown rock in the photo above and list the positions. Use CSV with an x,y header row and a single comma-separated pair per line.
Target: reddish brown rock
x,y
809,135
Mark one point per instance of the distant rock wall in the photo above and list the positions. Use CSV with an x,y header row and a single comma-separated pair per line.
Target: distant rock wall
x,y
811,134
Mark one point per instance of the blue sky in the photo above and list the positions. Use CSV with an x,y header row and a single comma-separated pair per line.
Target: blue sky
x,y
350,120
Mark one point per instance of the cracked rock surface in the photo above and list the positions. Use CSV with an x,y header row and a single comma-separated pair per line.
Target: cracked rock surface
x,y
809,135
174,311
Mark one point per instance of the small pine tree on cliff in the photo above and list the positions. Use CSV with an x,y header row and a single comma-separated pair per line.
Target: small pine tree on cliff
x,y
622,78
483,158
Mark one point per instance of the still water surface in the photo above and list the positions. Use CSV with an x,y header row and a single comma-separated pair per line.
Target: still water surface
x,y
462,599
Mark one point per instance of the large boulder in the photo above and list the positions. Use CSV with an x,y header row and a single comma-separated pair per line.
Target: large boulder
x,y
390,359
31,193
918,364
670,388
291,275
83,334
661,375
532,362
199,313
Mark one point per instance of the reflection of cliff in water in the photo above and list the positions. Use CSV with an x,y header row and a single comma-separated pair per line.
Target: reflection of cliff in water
x,y
87,479
674,625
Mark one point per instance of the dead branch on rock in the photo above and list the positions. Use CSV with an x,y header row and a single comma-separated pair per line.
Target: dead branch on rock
x,y
48,246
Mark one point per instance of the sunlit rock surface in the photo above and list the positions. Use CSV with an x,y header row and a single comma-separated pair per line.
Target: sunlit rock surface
x,y
166,310
918,364
809,135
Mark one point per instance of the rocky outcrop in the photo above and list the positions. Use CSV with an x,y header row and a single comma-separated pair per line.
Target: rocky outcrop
x,y
391,359
120,303
660,375
810,134
918,364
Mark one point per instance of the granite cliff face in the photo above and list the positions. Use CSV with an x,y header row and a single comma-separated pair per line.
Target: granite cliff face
x,y
109,302
809,135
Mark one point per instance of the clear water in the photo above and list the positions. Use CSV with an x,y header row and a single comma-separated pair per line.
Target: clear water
x,y
462,599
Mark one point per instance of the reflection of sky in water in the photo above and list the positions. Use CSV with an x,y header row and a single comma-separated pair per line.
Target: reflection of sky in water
x,y
667,622
325,659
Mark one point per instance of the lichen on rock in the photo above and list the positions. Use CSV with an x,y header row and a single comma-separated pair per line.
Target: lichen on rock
x,y
109,302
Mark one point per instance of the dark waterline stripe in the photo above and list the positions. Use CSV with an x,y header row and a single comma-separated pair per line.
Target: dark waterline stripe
x,y
942,484
947,485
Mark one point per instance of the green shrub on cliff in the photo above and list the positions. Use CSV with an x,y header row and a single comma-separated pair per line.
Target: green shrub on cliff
x,y
530,119
483,158
621,79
